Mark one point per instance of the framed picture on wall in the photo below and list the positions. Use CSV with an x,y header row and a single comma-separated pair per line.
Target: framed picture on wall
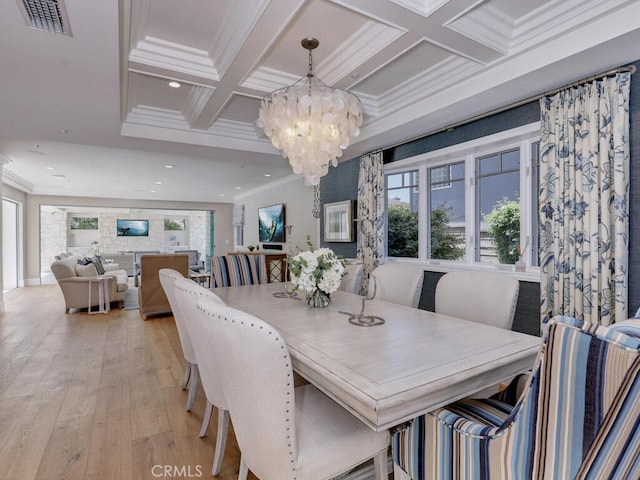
x,y
271,223
83,223
338,221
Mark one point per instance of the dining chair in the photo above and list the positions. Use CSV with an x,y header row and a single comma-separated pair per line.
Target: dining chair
x,y
352,281
168,276
577,417
284,432
485,297
238,269
399,283
188,293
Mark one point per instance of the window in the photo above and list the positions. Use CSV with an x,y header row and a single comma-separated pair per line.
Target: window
x,y
447,212
480,198
498,215
402,214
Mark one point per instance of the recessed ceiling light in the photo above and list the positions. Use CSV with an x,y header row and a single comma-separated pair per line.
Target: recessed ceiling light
x,y
158,183
59,176
222,194
174,84
168,166
237,188
152,191
267,174
48,168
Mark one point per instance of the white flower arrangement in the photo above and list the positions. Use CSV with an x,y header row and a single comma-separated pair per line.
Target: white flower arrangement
x,y
317,269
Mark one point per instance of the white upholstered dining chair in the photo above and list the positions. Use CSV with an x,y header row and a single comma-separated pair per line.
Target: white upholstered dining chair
x,y
353,279
284,432
399,283
187,294
167,278
484,297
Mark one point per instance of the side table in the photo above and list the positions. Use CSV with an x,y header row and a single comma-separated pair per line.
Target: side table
x,y
104,304
202,278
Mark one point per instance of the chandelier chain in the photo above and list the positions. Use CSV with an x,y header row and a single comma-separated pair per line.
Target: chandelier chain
x,y
316,201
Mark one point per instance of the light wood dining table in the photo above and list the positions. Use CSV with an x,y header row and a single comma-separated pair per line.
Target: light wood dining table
x,y
387,374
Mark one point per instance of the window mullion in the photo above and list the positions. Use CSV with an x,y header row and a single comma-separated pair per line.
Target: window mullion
x,y
470,202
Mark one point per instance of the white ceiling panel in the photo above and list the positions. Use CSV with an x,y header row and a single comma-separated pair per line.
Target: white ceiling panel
x,y
98,104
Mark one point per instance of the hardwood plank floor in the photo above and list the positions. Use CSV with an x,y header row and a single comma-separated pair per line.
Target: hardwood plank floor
x,y
97,396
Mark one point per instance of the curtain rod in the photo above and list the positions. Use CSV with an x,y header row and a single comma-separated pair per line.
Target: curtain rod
x,y
631,69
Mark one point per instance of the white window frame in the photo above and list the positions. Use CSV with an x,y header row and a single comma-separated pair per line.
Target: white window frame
x,y
522,138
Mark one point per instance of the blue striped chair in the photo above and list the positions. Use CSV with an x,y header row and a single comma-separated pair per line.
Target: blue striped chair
x,y
238,269
578,417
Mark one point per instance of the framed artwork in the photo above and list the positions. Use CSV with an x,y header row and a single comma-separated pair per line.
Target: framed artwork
x,y
83,223
271,223
175,223
132,228
338,221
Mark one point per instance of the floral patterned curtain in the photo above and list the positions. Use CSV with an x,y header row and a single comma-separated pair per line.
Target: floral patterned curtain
x,y
584,201
371,214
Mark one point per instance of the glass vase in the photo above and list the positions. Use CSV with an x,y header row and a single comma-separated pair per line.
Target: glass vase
x,y
318,299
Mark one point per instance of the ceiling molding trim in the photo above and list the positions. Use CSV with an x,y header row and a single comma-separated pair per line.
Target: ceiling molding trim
x,y
231,128
237,26
138,21
196,137
545,22
268,79
16,181
269,186
421,7
196,102
159,117
445,74
159,53
486,25
366,42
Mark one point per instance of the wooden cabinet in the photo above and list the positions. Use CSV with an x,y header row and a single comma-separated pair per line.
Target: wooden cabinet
x,y
276,264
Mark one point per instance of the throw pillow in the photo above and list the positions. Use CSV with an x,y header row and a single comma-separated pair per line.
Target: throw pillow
x,y
84,261
86,270
98,263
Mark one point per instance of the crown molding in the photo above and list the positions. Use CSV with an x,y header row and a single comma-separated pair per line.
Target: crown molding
x,y
236,28
366,42
160,53
16,181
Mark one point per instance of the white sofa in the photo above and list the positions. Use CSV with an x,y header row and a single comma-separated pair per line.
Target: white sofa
x,y
74,281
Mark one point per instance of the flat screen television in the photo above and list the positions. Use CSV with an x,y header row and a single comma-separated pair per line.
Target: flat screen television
x,y
132,228
271,223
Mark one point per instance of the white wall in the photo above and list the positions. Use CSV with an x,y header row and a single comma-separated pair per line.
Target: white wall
x,y
298,200
223,232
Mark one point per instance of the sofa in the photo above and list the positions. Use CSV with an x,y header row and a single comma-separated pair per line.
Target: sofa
x,y
74,281
151,296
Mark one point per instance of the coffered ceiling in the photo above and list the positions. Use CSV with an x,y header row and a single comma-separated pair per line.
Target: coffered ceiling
x,y
91,113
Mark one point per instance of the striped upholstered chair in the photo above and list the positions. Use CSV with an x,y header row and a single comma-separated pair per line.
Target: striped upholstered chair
x,y
577,417
231,270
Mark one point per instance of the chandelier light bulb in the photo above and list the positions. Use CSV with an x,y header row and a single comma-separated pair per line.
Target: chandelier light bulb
x,y
310,122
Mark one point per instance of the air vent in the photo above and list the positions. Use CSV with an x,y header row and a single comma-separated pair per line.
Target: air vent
x,y
46,15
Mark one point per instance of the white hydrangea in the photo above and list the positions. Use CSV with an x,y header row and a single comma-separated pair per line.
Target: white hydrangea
x,y
319,268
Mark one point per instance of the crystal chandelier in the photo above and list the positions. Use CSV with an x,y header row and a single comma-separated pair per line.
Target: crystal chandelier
x,y
310,122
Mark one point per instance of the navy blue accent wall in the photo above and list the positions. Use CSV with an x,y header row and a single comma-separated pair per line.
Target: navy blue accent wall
x,y
342,184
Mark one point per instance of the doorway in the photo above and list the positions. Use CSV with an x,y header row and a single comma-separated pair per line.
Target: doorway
x,y
10,245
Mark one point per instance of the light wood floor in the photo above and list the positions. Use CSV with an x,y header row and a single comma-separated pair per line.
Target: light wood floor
x,y
96,396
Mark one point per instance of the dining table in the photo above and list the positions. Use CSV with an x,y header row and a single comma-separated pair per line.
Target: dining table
x,y
386,374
